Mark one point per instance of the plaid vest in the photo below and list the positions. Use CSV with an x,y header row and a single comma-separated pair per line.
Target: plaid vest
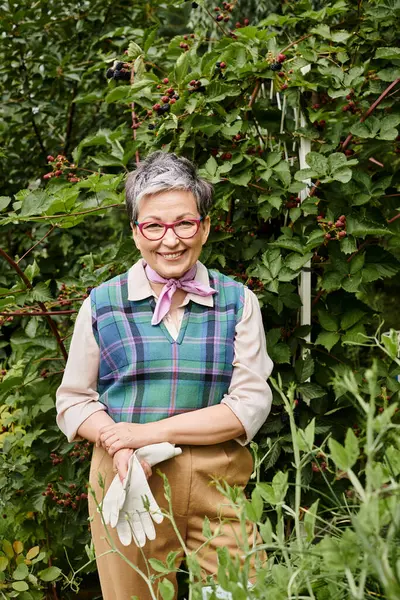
x,y
145,375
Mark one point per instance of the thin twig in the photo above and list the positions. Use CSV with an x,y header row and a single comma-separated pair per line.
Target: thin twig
x,y
21,313
65,215
28,284
71,115
255,93
394,218
304,37
370,110
37,243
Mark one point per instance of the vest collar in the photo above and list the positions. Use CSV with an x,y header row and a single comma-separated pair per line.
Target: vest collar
x,y
139,286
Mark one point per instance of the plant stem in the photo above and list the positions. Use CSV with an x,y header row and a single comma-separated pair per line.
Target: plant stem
x,y
37,243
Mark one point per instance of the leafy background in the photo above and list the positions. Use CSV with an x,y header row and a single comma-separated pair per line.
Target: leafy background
x,y
67,232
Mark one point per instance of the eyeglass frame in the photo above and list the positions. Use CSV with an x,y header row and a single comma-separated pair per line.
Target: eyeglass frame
x,y
168,226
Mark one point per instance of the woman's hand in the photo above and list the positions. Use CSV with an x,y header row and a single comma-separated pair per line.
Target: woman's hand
x,y
121,460
125,435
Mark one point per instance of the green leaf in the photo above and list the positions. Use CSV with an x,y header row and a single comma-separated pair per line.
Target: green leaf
x,y
50,574
158,565
166,589
310,391
207,533
280,486
257,504
309,521
351,447
21,572
35,203
351,317
388,53
182,67
4,202
20,586
391,342
327,339
3,563
317,162
343,175
304,368
7,549
338,454
327,321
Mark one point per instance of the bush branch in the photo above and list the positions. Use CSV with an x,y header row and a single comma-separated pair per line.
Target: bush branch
x,y
28,284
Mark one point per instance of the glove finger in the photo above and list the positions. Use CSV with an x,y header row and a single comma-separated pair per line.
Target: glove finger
x,y
138,533
124,532
156,453
147,525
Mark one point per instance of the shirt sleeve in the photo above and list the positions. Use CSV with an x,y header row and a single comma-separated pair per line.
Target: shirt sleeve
x,y
77,397
249,395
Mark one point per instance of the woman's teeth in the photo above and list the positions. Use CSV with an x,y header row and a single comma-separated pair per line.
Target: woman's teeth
x,y
172,256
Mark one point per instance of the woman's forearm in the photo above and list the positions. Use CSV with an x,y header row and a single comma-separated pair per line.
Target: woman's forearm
x,y
91,426
211,425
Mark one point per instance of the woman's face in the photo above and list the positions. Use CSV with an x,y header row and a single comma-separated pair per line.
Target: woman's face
x,y
171,256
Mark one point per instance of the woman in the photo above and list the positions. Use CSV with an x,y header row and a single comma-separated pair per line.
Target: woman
x,y
167,352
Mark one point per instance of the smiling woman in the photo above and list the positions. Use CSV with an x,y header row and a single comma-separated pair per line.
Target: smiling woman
x,y
167,352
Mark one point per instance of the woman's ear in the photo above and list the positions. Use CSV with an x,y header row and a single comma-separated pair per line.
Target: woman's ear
x,y
135,234
205,226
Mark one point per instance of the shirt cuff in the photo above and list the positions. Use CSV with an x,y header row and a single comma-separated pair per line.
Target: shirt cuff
x,y
251,426
70,420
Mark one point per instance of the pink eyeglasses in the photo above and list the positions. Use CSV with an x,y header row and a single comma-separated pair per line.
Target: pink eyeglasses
x,y
155,230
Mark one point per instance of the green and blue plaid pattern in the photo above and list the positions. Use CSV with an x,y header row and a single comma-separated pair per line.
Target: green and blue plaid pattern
x,y
145,375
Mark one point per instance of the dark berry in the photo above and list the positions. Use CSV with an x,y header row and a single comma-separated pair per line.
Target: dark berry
x,y
194,5
219,18
163,109
175,97
119,66
151,127
109,74
226,19
218,64
275,66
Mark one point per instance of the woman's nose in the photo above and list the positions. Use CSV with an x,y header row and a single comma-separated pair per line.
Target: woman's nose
x,y
170,238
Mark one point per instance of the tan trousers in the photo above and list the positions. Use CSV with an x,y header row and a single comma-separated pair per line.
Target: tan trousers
x,y
193,498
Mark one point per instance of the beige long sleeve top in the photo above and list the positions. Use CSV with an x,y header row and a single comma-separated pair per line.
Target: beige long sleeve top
x,y
249,395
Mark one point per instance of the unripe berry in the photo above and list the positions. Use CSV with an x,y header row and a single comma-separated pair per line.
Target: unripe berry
x,y
246,21
281,58
50,158
327,236
58,173
342,234
48,176
165,80
172,101
165,99
156,106
222,65
284,86
219,18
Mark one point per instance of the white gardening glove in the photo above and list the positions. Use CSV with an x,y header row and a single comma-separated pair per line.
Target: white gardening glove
x,y
123,504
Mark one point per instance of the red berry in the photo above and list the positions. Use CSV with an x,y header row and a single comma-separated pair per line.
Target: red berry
x,y
156,106
219,18
281,73
246,21
217,9
342,218
222,65
48,176
327,236
226,19
170,90
58,173
192,83
281,58
165,80
159,87
165,99
238,136
228,156
185,37
172,101
330,223
315,106
314,467
342,234
319,218
50,158
349,152
238,25
284,86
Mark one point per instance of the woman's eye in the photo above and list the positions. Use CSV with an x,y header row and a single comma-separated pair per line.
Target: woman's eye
x,y
187,223
153,226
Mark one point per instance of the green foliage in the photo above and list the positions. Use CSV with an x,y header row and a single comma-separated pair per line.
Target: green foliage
x,y
275,218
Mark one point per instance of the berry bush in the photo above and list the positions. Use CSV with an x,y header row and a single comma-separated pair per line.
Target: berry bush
x,y
242,91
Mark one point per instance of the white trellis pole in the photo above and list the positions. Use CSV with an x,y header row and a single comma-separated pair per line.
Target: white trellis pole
x,y
305,277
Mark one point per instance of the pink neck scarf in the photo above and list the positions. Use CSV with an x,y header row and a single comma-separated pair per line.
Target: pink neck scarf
x,y
186,283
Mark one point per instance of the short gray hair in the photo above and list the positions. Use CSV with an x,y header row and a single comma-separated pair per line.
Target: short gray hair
x,y
162,172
